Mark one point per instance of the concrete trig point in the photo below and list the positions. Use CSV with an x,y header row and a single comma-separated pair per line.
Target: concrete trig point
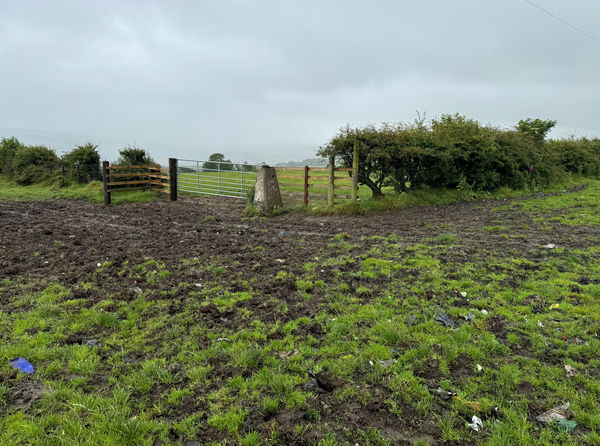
x,y
266,194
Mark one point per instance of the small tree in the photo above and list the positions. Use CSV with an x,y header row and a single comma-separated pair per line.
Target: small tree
x,y
537,128
83,163
217,161
8,148
375,153
134,156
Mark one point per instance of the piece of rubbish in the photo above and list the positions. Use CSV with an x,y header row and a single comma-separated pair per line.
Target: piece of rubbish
x,y
484,312
463,293
224,340
288,354
567,425
540,324
199,285
387,362
444,394
137,290
21,364
476,423
469,317
555,414
92,342
319,382
569,370
479,368
281,233
279,260
550,246
443,318
554,307
99,264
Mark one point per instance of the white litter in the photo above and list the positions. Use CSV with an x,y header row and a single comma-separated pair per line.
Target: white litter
x,y
550,246
476,424
555,414
569,370
463,293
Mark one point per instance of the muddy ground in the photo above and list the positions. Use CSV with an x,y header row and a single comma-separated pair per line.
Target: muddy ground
x,y
65,240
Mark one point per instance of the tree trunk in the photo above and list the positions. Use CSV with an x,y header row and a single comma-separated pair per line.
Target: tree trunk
x,y
375,189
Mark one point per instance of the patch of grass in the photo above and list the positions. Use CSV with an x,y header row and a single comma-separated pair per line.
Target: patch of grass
x,y
10,191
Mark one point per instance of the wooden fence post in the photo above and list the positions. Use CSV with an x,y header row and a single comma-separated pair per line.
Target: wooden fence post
x,y
331,185
173,178
355,172
306,169
105,182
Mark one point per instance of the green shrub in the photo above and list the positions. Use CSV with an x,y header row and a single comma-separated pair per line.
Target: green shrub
x,y
134,156
456,152
82,164
8,148
34,163
580,156
33,174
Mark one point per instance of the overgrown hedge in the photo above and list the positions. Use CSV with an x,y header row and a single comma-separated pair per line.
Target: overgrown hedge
x,y
457,152
35,164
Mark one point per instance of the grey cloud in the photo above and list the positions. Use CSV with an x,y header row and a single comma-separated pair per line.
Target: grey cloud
x,y
272,80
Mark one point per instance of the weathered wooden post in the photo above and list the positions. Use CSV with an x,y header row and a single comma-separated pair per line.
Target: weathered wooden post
x,y
267,195
331,184
306,170
355,171
173,178
105,178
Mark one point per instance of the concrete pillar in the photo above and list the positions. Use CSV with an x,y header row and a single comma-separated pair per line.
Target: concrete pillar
x,y
266,194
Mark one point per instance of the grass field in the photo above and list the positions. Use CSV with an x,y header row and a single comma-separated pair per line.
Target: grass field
x,y
168,323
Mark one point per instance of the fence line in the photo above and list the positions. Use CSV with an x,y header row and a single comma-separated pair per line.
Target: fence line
x,y
323,179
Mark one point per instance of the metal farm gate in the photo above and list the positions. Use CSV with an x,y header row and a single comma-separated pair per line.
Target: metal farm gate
x,y
220,178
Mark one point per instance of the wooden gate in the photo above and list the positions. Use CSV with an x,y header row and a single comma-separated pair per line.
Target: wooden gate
x,y
142,177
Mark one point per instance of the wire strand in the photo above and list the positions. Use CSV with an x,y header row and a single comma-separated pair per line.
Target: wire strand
x,y
594,38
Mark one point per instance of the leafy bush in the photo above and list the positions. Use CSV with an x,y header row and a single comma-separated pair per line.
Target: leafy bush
x,y
33,174
375,147
456,152
536,128
8,148
134,156
581,156
82,164
34,163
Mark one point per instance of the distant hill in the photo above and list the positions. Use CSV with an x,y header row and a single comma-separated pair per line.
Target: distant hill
x,y
313,162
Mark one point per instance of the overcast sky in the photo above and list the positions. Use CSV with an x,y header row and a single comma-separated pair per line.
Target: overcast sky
x,y
273,80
